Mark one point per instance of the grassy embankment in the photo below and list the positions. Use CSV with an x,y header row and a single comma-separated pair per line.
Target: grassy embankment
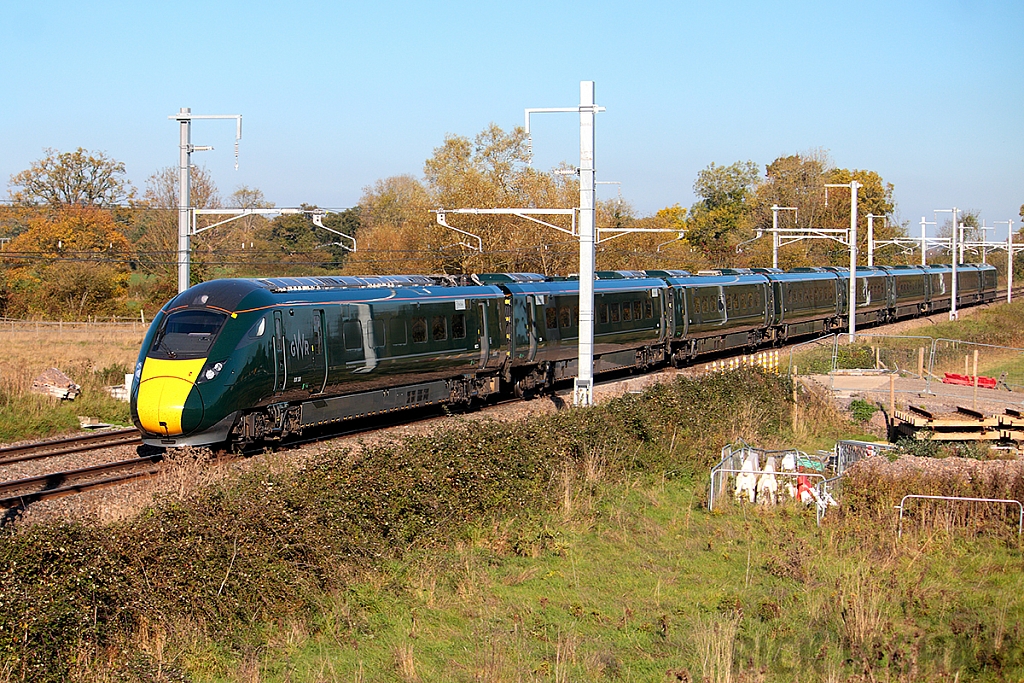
x,y
574,547
570,547
93,356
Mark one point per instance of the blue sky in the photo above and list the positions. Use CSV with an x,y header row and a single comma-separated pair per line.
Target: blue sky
x,y
338,95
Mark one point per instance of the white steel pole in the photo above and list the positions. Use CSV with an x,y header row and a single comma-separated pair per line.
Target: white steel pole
x,y
583,388
184,163
952,310
961,243
775,236
871,240
853,258
924,248
1010,263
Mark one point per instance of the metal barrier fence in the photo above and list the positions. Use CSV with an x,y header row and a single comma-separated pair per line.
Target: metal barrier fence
x,y
849,452
813,357
825,467
925,365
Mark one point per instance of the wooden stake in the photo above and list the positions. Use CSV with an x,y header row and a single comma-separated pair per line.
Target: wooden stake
x,y
975,379
892,395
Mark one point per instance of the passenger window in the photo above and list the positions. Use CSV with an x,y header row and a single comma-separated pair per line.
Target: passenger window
x,y
439,328
419,330
648,309
378,332
353,332
636,310
602,314
574,320
551,318
563,316
614,310
627,312
398,337
459,326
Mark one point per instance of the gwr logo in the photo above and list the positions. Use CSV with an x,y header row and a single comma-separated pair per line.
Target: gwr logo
x,y
300,346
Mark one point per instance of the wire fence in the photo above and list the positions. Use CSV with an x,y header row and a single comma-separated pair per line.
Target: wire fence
x,y
923,365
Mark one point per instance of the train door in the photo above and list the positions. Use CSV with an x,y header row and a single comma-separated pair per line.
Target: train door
x,y
280,360
485,338
304,350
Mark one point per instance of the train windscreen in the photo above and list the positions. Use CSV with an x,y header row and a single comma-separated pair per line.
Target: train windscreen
x,y
186,335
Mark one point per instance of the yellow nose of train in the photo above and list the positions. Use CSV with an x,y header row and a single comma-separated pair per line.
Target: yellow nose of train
x,y
164,388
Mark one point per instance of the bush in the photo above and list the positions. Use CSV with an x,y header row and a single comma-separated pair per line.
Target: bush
x,y
267,546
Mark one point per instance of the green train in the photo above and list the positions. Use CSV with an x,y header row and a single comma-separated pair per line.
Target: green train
x,y
241,361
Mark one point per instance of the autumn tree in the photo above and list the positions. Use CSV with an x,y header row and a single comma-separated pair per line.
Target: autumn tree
x,y
71,263
155,231
493,171
72,178
665,249
798,181
396,229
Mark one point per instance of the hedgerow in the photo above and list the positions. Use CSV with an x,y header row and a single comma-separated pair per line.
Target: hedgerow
x,y
269,544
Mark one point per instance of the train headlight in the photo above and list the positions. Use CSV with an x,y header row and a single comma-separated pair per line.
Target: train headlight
x,y
138,372
210,372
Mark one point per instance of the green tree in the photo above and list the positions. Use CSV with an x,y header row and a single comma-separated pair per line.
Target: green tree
x,y
72,178
722,216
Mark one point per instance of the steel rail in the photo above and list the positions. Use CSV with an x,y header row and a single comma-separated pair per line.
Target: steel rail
x,y
69,478
67,445
26,498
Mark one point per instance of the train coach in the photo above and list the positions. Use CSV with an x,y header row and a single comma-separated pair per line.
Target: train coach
x,y
250,360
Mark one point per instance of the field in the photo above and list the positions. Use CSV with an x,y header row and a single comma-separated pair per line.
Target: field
x,y
93,355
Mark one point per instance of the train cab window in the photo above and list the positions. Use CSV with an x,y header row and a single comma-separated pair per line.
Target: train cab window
x,y
637,311
627,312
459,326
353,333
377,326
551,318
439,328
564,317
187,334
613,309
648,309
602,314
397,329
419,330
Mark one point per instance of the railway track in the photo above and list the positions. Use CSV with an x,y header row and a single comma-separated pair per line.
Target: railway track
x,y
21,492
74,444
17,493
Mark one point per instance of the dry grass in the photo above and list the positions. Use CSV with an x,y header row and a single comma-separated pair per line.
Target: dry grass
x,y
31,348
715,639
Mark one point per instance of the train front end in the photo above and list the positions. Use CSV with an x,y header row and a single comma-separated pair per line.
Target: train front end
x,y
179,386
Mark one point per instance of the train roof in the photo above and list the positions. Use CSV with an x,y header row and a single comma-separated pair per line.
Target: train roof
x,y
714,278
240,294
572,286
